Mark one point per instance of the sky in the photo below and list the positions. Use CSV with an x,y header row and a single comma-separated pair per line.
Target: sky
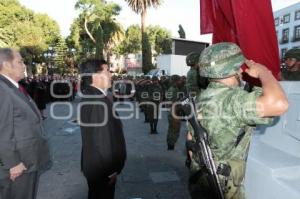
x,y
169,15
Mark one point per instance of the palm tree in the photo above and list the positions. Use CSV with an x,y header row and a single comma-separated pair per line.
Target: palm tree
x,y
140,7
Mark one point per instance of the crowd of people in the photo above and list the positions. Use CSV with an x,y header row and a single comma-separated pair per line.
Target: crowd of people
x,y
48,88
213,82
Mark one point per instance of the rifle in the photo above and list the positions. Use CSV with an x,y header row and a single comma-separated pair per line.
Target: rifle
x,y
203,151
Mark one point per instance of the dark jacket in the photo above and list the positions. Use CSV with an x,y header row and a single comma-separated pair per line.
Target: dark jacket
x,y
103,143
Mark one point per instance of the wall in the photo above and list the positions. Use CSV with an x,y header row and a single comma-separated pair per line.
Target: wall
x,y
273,165
172,64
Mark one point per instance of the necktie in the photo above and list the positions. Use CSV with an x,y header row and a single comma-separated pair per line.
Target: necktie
x,y
23,90
109,97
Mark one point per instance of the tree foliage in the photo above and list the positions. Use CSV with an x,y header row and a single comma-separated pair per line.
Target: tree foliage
x,y
159,40
132,42
147,55
95,32
23,29
140,6
61,50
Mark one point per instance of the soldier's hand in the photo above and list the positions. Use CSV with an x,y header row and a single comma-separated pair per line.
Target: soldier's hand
x,y
255,69
189,136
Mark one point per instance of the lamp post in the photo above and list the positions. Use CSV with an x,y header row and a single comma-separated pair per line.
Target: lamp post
x,y
49,55
71,52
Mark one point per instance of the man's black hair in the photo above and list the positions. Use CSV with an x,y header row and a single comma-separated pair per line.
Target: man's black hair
x,y
89,67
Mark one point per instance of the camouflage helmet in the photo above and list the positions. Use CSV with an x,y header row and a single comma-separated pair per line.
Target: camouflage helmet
x,y
154,78
293,53
175,78
192,59
221,60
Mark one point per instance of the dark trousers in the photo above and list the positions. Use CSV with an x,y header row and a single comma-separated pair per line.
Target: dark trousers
x,y
101,189
24,187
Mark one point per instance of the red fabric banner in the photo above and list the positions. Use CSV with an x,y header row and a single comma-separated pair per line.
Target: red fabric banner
x,y
248,23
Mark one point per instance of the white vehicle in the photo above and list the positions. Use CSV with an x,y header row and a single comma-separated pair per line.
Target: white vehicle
x,y
155,73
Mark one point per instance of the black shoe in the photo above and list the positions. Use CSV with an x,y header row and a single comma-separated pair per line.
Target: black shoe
x,y
171,147
153,132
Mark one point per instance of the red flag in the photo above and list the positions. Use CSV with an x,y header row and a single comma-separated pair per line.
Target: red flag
x,y
248,23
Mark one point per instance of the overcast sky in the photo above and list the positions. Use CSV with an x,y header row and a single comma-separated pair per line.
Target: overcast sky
x,y
169,15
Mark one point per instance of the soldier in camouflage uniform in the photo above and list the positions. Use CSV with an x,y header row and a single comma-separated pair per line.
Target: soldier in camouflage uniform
x,y
229,113
164,82
145,97
291,71
172,95
155,94
193,90
192,60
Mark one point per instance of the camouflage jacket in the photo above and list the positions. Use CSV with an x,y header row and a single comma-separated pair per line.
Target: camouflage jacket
x,y
191,82
223,112
155,93
172,94
287,75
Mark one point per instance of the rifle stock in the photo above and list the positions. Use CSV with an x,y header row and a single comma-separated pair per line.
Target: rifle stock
x,y
204,152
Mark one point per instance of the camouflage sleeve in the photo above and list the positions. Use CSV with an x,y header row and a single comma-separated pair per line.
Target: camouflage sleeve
x,y
244,107
172,94
168,94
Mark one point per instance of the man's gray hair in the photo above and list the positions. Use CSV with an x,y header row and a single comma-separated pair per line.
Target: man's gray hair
x,y
6,54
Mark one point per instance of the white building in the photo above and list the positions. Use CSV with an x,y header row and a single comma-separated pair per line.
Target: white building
x,y
287,24
174,63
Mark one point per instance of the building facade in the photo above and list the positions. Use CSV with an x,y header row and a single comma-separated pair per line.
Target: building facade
x,y
287,25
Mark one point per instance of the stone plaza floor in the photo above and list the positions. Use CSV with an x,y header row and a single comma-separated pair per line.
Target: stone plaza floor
x,y
151,171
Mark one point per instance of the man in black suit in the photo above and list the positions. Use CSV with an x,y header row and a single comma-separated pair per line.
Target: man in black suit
x,y
103,143
23,147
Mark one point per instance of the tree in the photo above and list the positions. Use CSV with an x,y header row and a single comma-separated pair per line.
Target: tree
x,y
61,51
160,39
181,32
49,27
131,42
97,19
140,7
25,30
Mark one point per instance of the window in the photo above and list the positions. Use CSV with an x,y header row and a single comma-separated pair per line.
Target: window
x,y
296,33
283,51
286,18
285,36
276,21
297,15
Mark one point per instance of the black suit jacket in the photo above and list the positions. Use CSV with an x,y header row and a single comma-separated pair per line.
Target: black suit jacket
x,y
22,137
103,143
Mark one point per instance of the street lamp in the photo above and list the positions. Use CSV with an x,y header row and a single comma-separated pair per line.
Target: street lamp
x,y
71,56
49,55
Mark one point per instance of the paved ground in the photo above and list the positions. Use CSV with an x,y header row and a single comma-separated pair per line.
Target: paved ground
x,y
151,172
